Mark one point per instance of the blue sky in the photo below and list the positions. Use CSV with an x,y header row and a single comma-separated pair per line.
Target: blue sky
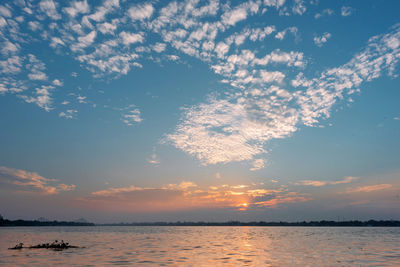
x,y
199,110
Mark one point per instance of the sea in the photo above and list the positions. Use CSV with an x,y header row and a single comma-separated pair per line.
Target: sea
x,y
203,246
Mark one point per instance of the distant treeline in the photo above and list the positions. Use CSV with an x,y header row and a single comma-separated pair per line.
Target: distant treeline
x,y
4,222
372,223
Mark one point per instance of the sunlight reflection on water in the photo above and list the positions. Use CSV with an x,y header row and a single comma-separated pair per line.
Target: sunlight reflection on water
x,y
204,246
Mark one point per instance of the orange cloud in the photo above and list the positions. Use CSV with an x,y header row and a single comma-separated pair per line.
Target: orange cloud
x,y
368,188
32,181
323,183
187,195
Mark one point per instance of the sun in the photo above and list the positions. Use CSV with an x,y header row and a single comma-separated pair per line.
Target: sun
x,y
243,206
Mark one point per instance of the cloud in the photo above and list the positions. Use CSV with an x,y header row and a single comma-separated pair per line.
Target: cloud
x,y
57,82
221,49
299,7
77,7
11,65
107,28
5,12
131,38
237,126
321,40
281,35
31,182
68,114
38,75
315,183
140,12
271,76
42,97
325,12
81,99
235,129
159,47
34,25
274,3
36,67
368,188
9,48
153,159
84,41
131,117
260,34
258,164
55,41
50,9
173,57
188,195
282,200
261,106
346,11
231,17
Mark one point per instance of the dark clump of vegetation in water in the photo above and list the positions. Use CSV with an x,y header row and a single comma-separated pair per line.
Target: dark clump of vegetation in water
x,y
55,245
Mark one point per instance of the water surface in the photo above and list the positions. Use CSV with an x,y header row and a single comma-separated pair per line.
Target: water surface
x,y
204,246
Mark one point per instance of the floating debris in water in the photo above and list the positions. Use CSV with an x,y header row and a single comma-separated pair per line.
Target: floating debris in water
x,y
55,245
18,246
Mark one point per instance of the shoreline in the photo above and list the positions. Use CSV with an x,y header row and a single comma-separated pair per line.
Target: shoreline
x,y
323,223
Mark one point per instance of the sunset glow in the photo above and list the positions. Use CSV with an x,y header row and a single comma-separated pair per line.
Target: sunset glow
x,y
117,111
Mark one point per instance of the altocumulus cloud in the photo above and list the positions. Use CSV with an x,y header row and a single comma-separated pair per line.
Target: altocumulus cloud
x,y
237,127
111,38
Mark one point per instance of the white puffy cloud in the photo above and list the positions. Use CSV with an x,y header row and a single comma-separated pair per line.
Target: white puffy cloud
x,y
221,49
325,12
239,13
68,114
37,75
274,3
36,68
34,25
140,12
131,116
159,47
236,127
55,41
281,35
41,97
258,164
5,12
271,76
107,28
321,40
84,41
9,48
346,11
131,38
77,7
260,34
50,9
299,7
57,82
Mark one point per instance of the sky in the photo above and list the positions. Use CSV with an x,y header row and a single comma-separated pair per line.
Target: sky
x,y
122,111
